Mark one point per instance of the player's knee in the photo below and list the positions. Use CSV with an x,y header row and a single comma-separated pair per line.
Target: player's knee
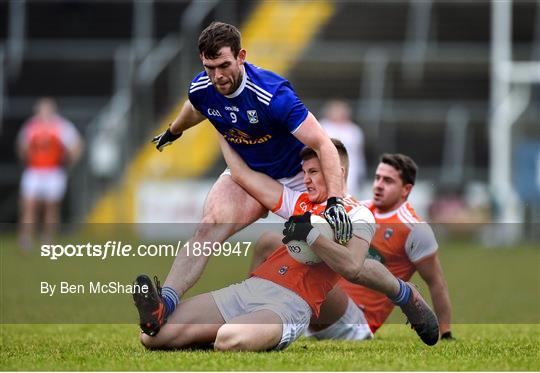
x,y
158,342
208,219
207,225
228,339
150,343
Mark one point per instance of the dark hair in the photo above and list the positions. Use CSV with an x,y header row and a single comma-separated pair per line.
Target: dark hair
x,y
308,153
218,35
402,163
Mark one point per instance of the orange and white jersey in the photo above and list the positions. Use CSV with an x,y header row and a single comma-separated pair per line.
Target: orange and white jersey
x,y
312,283
401,240
46,142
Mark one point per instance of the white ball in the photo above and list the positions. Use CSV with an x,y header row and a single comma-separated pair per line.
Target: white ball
x,y
300,250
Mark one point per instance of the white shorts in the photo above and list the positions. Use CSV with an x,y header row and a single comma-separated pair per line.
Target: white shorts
x,y
295,182
352,326
256,294
47,185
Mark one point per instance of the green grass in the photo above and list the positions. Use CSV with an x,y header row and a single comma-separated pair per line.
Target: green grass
x,y
115,347
495,296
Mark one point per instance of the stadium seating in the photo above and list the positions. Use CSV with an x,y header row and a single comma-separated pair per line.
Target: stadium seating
x,y
455,71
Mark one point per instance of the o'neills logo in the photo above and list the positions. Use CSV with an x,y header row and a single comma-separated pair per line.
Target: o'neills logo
x,y
239,137
374,254
282,270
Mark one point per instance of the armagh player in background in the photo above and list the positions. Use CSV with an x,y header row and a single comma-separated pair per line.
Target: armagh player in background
x,y
403,243
264,121
47,143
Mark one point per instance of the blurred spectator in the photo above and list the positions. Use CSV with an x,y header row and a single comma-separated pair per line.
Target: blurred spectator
x,y
338,124
450,207
47,143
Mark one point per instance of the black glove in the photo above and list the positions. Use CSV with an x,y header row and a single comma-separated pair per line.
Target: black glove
x,y
165,139
338,219
297,228
448,336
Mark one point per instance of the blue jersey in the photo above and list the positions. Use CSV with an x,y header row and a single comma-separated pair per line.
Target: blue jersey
x,y
258,120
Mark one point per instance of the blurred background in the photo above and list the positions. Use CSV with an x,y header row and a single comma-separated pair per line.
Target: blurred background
x,y
453,84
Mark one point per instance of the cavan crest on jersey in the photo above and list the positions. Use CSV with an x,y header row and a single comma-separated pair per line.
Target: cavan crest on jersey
x,y
258,119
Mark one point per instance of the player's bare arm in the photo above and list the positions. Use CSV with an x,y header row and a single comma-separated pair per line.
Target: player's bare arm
x,y
22,150
22,145
347,260
75,151
431,272
311,134
187,118
261,186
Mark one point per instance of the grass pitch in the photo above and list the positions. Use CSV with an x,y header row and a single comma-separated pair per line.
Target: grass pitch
x,y
115,347
495,294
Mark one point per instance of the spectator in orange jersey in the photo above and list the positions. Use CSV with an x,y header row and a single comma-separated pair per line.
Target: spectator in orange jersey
x,y
47,143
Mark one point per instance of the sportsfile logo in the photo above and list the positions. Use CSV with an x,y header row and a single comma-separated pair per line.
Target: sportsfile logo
x,y
112,249
108,250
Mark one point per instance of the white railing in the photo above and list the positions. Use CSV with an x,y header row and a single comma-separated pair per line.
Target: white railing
x,y
455,146
2,88
16,36
417,38
143,17
510,94
371,98
160,57
105,134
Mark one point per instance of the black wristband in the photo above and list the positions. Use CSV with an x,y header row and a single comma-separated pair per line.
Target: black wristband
x,y
170,135
334,201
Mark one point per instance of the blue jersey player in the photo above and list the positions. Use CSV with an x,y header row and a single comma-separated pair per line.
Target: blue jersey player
x,y
262,118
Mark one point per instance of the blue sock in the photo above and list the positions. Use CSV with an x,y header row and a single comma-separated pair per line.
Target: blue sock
x,y
170,298
403,295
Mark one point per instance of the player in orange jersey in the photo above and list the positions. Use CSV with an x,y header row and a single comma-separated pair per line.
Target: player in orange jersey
x,y
272,308
46,143
404,243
